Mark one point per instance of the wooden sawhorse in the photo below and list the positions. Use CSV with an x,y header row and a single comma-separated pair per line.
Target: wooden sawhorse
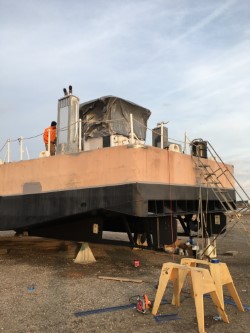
x,y
202,283
221,276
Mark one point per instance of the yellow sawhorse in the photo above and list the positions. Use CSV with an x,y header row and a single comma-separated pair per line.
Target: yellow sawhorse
x,y
202,283
221,276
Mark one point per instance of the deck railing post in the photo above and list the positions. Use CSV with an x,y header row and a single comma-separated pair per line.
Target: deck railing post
x,y
8,151
80,134
21,147
162,135
49,141
131,129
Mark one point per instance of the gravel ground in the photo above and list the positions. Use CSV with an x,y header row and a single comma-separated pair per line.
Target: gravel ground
x,y
42,288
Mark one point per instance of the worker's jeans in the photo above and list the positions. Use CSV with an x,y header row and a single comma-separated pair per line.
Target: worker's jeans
x,y
52,148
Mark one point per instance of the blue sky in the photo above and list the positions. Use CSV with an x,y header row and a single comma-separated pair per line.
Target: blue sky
x,y
188,61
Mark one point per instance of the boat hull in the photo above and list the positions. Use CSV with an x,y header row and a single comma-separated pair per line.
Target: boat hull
x,y
79,196
83,214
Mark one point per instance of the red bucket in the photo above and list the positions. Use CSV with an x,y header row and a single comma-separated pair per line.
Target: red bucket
x,y
136,263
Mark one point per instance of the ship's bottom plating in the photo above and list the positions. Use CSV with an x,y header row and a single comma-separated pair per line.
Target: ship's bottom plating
x,y
83,214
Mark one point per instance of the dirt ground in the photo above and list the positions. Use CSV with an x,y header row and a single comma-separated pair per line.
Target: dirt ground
x,y
42,289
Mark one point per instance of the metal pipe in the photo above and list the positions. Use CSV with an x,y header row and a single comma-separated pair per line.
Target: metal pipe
x,y
185,142
8,150
21,147
131,128
161,135
49,141
76,121
80,134
27,152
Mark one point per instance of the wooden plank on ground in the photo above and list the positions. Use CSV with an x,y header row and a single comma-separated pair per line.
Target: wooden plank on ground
x,y
121,279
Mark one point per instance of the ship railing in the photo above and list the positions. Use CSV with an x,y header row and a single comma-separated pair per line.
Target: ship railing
x,y
19,153
241,194
212,178
183,143
7,147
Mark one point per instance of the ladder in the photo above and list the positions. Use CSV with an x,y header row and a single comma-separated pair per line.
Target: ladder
x,y
212,178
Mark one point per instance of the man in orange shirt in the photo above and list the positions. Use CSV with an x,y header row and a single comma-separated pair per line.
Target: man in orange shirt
x,y
50,132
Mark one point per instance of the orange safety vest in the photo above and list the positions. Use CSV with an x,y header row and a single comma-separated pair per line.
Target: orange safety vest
x,y
52,134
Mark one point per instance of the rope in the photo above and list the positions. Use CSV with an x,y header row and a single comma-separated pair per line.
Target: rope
x,y
4,146
33,137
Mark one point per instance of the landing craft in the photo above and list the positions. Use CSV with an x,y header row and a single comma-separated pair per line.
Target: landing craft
x,y
105,178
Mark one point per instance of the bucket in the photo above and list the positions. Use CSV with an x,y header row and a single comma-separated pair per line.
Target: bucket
x,y
136,263
215,261
199,148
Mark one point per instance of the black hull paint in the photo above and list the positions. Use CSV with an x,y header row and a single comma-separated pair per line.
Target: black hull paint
x,y
134,208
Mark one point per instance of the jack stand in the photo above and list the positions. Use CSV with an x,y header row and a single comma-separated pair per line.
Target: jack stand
x,y
85,255
140,240
221,276
211,249
202,283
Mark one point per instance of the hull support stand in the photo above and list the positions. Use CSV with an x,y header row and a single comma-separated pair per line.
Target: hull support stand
x,y
85,255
